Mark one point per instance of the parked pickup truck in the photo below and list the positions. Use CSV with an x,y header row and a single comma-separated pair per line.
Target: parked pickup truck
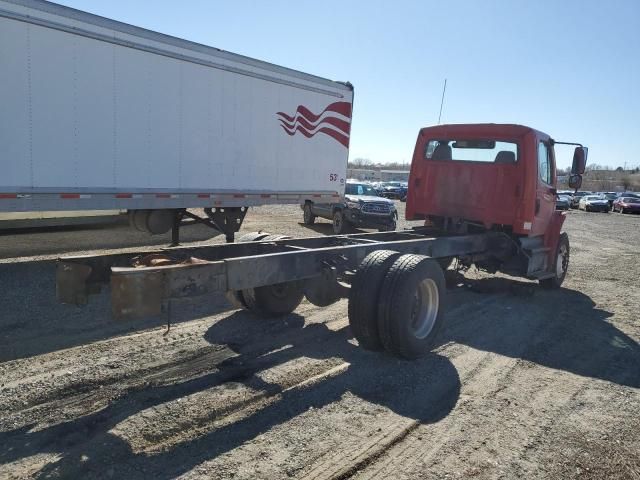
x,y
362,207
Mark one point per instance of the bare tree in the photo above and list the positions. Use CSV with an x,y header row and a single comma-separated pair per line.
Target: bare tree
x,y
360,163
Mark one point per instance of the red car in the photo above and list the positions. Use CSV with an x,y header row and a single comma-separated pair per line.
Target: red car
x,y
627,204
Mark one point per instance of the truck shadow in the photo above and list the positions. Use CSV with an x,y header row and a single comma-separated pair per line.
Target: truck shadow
x,y
425,390
32,322
560,329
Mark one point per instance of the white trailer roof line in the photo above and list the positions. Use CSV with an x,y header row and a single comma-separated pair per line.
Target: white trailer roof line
x,y
158,37
101,115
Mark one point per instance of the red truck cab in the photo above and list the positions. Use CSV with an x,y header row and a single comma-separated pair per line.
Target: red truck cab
x,y
491,177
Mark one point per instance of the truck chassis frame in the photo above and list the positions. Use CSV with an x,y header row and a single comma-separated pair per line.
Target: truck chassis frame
x,y
140,290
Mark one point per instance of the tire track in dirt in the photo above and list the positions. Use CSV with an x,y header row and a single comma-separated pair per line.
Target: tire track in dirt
x,y
105,405
534,416
382,437
71,377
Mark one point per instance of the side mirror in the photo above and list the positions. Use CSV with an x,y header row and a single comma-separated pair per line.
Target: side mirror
x,y
579,160
575,181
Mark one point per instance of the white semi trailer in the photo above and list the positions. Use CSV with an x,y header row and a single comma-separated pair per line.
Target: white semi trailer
x,y
100,115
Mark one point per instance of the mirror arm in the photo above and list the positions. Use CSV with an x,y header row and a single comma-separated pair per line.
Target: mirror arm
x,y
553,142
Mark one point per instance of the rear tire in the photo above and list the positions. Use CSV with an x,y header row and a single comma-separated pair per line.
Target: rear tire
x,y
560,265
363,297
274,300
308,217
235,296
265,300
411,306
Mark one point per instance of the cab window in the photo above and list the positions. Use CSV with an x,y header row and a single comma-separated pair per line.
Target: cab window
x,y
544,163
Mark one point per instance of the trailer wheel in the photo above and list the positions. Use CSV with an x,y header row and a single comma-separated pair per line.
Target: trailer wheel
x,y
363,297
561,264
308,216
411,306
274,300
340,224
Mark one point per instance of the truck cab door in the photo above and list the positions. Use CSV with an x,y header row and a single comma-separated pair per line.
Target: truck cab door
x,y
546,189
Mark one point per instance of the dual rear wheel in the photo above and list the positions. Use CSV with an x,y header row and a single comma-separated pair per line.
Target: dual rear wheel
x,y
396,303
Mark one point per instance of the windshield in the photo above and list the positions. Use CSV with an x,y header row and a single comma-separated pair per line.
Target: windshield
x,y
593,197
487,150
631,200
359,189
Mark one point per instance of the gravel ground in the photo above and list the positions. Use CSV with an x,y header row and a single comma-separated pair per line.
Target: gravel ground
x,y
525,383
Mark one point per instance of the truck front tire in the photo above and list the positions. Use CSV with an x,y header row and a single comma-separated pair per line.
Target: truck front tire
x,y
411,306
560,264
363,297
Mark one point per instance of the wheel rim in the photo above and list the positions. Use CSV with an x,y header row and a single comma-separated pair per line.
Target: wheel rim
x,y
426,303
562,263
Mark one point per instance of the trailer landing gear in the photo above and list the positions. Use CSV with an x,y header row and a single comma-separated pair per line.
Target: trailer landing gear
x,y
225,220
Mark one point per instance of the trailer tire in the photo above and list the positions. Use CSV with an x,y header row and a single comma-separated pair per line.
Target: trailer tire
x,y
363,298
308,217
411,306
559,269
138,219
274,300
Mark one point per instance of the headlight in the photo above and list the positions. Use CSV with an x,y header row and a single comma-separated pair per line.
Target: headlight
x,y
355,205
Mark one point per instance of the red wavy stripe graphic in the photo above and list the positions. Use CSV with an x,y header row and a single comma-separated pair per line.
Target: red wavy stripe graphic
x,y
340,124
342,139
343,108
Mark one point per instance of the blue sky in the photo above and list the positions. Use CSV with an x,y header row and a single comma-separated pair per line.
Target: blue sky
x,y
570,68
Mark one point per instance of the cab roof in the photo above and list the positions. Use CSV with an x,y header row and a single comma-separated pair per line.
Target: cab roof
x,y
502,130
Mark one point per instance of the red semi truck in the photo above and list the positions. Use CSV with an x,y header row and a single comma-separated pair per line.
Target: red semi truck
x,y
485,191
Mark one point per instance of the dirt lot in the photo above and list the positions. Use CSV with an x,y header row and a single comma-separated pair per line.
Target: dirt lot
x,y
524,384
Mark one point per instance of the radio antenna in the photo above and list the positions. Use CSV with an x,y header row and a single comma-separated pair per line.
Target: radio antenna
x,y
444,89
